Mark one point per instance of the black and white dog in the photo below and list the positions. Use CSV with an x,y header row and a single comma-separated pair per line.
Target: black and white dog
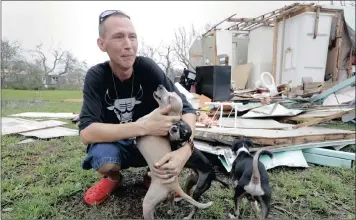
x,y
252,178
202,170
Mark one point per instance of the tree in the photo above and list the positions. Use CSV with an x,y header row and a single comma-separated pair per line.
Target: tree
x,y
146,50
60,58
11,59
183,40
168,58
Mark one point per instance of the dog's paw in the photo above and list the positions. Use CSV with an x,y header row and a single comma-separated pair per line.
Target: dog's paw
x,y
178,199
186,217
170,212
231,216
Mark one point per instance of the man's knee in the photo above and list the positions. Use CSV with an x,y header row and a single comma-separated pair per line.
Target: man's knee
x,y
109,167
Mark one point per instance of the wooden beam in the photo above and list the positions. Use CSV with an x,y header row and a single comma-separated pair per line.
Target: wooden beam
x,y
240,19
270,14
214,27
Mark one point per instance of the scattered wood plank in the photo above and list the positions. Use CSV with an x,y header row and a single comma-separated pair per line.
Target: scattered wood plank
x,y
273,137
286,147
18,125
321,120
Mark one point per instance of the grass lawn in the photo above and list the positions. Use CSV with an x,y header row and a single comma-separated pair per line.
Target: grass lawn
x,y
43,179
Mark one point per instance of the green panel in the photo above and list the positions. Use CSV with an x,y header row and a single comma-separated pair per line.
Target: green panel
x,y
327,161
331,153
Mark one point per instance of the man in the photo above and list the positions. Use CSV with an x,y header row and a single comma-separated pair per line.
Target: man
x,y
116,93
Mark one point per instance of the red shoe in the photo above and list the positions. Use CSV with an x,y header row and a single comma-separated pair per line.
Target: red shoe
x,y
147,183
99,192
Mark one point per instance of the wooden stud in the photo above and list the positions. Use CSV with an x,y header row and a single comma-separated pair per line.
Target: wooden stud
x,y
216,59
316,23
281,66
275,46
339,38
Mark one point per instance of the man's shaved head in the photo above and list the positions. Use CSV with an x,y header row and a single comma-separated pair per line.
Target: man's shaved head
x,y
102,23
118,38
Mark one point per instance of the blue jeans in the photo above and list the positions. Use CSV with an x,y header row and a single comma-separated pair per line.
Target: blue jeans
x,y
122,152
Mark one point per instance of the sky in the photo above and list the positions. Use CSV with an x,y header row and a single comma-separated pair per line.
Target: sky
x,y
74,24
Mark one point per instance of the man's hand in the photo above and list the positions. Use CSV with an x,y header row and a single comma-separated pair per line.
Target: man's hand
x,y
170,165
158,122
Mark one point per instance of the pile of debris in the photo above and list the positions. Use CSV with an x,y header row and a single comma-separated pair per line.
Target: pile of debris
x,y
287,123
43,126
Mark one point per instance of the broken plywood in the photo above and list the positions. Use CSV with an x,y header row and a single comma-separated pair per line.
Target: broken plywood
x,y
273,137
272,110
240,75
51,133
253,123
45,115
322,113
18,125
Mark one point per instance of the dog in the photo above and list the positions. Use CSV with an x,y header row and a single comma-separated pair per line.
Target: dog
x,y
202,170
179,133
154,148
252,178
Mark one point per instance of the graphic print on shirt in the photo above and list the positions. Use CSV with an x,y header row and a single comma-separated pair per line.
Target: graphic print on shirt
x,y
124,108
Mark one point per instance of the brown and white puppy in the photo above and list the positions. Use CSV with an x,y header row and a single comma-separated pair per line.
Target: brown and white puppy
x,y
252,178
154,148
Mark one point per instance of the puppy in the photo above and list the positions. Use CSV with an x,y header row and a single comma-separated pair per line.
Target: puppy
x,y
153,148
202,170
252,177
179,133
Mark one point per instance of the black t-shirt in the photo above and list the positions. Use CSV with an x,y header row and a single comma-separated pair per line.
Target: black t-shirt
x,y
108,100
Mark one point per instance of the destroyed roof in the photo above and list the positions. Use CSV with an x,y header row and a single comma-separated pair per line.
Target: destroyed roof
x,y
349,20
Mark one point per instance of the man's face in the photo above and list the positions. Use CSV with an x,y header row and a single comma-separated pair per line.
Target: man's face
x,y
119,41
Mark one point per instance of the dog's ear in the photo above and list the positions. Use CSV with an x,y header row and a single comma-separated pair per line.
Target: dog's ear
x,y
249,143
236,145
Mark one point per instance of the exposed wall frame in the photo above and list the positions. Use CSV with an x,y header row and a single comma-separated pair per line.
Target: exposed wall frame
x,y
339,39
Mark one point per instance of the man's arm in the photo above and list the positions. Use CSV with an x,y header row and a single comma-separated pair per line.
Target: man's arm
x,y
91,127
190,118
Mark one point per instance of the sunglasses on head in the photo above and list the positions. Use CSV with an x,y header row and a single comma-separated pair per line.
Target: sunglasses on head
x,y
108,13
